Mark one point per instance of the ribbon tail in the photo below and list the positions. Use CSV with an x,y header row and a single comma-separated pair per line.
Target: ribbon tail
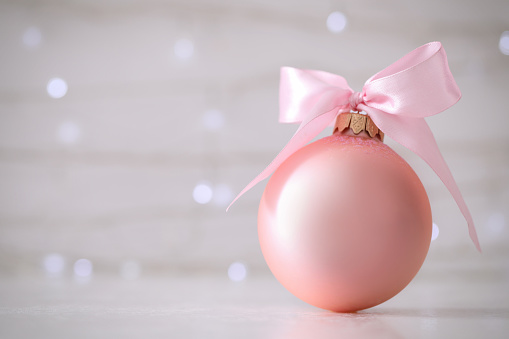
x,y
415,134
308,130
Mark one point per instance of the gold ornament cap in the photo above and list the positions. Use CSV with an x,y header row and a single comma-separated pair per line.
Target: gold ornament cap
x,y
358,122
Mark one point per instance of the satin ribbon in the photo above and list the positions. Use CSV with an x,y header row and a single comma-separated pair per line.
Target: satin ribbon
x,y
397,99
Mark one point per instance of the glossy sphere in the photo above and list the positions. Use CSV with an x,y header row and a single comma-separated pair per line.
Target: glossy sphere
x,y
344,223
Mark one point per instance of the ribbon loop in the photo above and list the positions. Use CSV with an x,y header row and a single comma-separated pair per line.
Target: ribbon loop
x,y
397,99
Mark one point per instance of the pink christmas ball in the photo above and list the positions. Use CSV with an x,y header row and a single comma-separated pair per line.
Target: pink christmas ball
x,y
344,223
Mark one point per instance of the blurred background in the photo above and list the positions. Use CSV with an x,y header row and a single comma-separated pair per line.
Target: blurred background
x,y
127,127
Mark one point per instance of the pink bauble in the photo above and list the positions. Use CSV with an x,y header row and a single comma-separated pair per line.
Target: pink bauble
x,y
344,223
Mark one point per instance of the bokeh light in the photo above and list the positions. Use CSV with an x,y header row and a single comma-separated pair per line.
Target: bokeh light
x,y
336,22
68,132
435,232
83,268
213,119
237,272
223,195
503,43
54,263
183,49
32,37
130,270
496,224
56,88
202,193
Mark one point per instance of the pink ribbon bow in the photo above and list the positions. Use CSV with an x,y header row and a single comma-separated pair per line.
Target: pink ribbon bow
x,y
397,99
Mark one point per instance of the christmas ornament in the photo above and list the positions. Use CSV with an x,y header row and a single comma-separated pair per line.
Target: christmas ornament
x,y
344,222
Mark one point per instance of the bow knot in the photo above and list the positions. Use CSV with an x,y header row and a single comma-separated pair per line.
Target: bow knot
x,y
397,99
355,99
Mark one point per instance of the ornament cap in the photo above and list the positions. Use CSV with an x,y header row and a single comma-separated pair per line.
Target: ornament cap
x,y
358,122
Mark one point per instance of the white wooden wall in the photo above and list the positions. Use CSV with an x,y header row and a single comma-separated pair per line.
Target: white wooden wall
x,y
107,172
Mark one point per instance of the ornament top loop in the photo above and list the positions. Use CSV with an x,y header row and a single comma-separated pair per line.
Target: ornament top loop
x,y
397,99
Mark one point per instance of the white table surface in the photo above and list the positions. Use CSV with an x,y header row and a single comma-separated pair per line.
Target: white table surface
x,y
214,307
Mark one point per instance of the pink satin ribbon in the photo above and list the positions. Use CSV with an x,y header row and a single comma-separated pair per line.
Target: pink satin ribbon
x,y
397,99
